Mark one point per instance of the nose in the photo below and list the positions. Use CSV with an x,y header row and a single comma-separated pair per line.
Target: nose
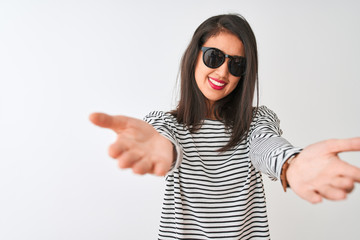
x,y
223,70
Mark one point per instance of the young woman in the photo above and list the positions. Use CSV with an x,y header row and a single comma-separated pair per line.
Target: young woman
x,y
214,145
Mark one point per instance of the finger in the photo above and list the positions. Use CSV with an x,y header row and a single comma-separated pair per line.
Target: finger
x,y
343,183
347,170
161,166
116,123
160,169
129,158
332,193
343,145
312,196
142,167
116,149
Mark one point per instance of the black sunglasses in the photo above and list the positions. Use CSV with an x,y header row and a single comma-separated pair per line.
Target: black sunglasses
x,y
214,58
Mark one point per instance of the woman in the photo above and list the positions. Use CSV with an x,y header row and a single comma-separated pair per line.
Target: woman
x,y
213,146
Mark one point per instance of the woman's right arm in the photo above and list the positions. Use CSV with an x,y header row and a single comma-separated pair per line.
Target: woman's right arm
x,y
138,145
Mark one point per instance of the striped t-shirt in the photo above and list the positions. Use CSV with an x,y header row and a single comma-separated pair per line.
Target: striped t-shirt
x,y
220,195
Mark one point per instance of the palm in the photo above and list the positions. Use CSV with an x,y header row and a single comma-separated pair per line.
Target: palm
x,y
138,145
318,171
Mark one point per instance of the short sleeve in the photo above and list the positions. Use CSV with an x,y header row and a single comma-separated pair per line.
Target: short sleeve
x,y
268,150
165,124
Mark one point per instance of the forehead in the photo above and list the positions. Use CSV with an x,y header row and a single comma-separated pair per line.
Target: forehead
x,y
226,42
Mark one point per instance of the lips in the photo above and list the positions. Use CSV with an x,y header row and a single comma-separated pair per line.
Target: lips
x,y
216,83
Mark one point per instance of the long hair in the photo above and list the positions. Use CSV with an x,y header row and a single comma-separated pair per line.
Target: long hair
x,y
235,110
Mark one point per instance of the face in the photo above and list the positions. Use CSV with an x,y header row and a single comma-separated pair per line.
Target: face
x,y
217,83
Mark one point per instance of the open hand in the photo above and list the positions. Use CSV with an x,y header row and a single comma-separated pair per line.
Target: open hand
x,y
318,172
138,145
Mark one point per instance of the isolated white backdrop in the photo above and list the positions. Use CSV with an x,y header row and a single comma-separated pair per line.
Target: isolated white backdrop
x,y
62,60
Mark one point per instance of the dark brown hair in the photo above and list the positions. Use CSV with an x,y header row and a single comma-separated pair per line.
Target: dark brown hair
x,y
235,110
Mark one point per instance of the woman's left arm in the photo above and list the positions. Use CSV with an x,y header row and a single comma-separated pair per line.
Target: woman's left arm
x,y
317,172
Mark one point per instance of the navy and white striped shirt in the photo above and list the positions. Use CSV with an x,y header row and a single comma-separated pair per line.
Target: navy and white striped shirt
x,y
220,195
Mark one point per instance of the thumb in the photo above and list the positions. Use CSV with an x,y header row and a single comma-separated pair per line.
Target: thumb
x,y
116,123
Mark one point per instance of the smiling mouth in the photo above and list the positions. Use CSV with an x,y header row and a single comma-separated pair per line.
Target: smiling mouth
x,y
216,84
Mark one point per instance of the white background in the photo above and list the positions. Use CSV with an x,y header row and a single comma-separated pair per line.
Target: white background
x,y
62,60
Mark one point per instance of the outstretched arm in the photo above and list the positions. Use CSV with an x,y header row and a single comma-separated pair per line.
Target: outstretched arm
x,y
318,172
138,145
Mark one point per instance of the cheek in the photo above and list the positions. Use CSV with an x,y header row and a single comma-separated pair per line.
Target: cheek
x,y
199,74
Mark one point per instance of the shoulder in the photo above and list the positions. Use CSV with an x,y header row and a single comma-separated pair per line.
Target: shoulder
x,y
161,118
264,119
159,115
263,112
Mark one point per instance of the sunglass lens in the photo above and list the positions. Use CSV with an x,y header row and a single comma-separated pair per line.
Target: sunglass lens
x,y
213,58
237,66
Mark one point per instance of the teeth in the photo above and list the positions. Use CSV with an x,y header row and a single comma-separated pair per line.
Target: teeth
x,y
216,83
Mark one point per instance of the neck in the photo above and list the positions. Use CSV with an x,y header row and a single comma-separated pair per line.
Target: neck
x,y
210,111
